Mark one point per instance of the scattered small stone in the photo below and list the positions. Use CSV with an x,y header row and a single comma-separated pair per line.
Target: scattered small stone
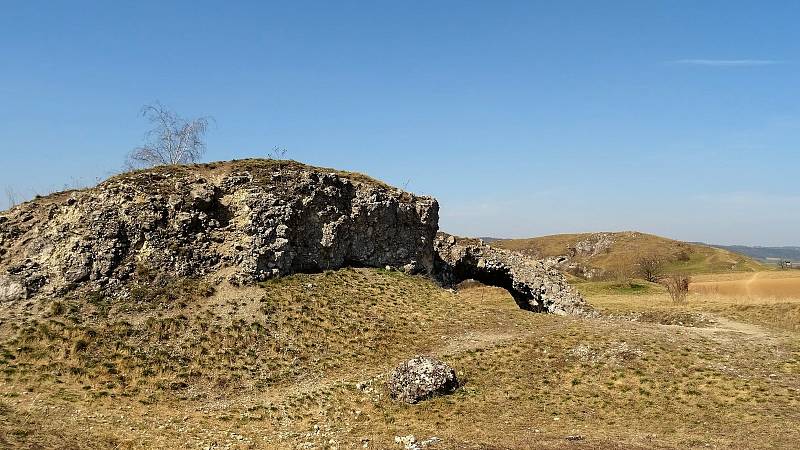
x,y
430,441
406,441
575,437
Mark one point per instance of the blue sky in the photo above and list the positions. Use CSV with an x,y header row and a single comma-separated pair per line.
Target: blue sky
x,y
680,118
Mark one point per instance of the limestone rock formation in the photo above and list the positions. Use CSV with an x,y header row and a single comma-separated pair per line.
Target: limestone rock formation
x,y
247,220
421,378
594,244
534,285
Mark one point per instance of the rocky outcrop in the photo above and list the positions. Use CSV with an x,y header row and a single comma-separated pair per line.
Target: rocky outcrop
x,y
247,220
534,285
421,378
574,262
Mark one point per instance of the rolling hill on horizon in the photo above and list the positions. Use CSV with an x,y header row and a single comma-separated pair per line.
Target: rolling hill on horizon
x,y
606,255
791,253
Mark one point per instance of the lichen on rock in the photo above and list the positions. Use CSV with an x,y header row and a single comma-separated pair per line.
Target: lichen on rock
x,y
245,222
250,219
421,378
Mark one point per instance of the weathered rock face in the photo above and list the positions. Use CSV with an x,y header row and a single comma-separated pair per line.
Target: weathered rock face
x,y
534,285
594,244
249,220
421,378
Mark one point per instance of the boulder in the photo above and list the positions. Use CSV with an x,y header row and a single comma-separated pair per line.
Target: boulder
x,y
421,378
10,289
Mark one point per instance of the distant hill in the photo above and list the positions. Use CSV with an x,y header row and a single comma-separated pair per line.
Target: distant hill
x,y
764,253
606,255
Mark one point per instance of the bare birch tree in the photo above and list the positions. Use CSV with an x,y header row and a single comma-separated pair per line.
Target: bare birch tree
x,y
278,152
172,140
12,199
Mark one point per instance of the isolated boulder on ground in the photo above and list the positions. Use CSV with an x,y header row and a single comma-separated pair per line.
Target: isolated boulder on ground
x,y
10,289
421,378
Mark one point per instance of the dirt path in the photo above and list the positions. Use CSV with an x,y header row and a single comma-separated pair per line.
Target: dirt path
x,y
725,330
725,324
748,285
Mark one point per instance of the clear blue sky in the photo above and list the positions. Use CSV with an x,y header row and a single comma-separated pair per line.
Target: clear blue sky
x,y
680,118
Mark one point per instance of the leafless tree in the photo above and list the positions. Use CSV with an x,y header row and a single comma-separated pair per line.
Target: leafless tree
x,y
677,286
278,152
12,199
649,268
172,140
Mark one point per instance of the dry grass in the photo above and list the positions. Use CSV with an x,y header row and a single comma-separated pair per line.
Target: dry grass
x,y
310,375
628,247
725,295
259,168
758,288
739,276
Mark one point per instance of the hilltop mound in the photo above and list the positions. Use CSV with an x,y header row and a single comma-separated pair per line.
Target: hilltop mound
x,y
242,222
600,255
247,220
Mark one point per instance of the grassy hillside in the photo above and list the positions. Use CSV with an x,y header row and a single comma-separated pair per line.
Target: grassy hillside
x,y
611,253
300,362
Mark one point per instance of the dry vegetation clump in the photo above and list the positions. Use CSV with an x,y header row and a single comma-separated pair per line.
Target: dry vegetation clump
x,y
677,286
260,169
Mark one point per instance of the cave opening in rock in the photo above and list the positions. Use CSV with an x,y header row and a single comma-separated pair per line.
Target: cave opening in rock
x,y
498,277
